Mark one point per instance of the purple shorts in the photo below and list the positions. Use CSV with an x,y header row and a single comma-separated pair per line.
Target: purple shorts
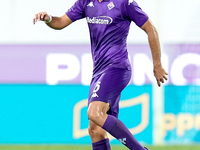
x,y
107,87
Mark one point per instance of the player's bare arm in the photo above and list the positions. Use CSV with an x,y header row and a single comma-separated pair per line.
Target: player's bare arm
x,y
154,43
53,22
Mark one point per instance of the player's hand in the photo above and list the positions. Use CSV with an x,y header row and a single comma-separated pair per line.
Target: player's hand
x,y
42,16
160,74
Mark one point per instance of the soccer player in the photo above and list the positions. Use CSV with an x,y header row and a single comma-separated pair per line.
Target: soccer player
x,y
109,22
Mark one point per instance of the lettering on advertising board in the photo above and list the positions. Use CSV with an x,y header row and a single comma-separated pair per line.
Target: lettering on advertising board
x,y
142,74
72,64
181,123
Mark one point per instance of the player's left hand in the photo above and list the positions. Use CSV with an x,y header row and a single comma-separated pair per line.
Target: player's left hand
x,y
160,74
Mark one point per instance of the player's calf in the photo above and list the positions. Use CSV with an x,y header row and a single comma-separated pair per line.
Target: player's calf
x,y
96,133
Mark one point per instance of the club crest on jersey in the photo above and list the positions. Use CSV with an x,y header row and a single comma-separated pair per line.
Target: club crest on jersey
x,y
111,5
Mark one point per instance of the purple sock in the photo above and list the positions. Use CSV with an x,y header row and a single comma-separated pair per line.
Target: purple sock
x,y
101,145
117,129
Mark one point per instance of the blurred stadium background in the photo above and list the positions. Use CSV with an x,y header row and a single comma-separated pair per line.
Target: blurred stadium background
x,y
45,75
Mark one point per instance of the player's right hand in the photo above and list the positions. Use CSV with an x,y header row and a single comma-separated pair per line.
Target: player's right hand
x,y
42,16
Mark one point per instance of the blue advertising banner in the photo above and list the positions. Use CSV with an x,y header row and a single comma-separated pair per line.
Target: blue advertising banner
x,y
181,121
44,90
38,114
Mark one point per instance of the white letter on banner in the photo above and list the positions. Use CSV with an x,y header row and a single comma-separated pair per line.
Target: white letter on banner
x,y
142,66
61,67
86,71
179,64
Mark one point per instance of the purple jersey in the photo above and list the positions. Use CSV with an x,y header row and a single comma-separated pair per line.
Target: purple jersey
x,y
108,23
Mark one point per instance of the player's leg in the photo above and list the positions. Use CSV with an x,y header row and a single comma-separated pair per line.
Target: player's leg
x,y
106,90
117,129
97,114
99,137
96,132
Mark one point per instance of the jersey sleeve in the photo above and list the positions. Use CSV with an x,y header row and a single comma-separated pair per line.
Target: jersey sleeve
x,y
76,12
134,13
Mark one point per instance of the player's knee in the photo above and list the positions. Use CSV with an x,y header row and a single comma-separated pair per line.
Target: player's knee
x,y
92,115
97,111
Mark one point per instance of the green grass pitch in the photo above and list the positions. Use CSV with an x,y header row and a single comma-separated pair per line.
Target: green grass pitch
x,y
83,147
